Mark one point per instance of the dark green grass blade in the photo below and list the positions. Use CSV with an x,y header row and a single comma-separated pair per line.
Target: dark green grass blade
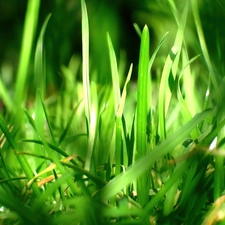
x,y
142,103
204,48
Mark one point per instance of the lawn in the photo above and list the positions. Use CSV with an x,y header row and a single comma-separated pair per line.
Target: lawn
x,y
100,131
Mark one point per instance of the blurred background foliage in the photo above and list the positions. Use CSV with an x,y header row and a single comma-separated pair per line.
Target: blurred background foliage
x,y
63,37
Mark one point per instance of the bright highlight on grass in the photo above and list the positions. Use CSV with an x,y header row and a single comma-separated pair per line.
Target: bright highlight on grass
x,y
146,151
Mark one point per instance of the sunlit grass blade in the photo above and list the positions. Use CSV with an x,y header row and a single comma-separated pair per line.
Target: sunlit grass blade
x,y
85,59
141,119
137,169
5,97
29,31
183,105
164,91
92,136
119,143
114,72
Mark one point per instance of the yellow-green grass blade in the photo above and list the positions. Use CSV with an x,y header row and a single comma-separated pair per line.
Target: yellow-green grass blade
x,y
93,124
183,105
141,119
170,66
5,97
114,73
29,31
120,142
137,169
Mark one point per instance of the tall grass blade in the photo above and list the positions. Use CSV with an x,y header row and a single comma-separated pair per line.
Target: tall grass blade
x,y
114,72
85,60
203,45
89,161
40,78
29,31
164,92
119,129
141,123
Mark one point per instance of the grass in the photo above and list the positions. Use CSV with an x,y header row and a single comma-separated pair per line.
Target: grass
x,y
110,153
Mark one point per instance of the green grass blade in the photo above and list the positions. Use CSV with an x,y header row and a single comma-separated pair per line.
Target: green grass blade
x,y
92,128
23,162
29,31
40,78
166,190
205,52
114,72
152,59
142,103
137,169
164,92
119,128
85,59
183,105
65,131
5,97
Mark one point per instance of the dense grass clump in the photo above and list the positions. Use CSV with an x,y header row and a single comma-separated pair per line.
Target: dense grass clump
x,y
114,150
